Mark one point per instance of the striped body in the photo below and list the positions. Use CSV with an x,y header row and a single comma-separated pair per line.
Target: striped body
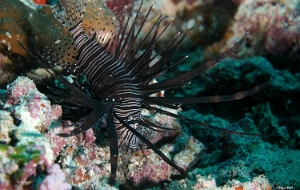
x,y
103,70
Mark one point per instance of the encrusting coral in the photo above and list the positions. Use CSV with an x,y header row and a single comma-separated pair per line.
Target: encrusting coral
x,y
27,114
273,25
54,180
84,160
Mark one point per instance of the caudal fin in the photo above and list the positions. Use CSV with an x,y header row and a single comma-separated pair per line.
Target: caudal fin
x,y
69,12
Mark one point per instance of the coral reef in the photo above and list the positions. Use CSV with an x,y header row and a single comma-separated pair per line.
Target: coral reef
x,y
27,114
268,124
243,74
242,158
206,183
54,180
165,121
84,160
190,153
18,164
5,120
273,26
148,167
32,156
34,112
272,113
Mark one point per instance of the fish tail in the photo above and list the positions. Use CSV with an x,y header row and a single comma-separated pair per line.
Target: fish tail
x,y
69,12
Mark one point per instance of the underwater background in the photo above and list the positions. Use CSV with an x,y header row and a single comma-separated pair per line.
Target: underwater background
x,y
32,156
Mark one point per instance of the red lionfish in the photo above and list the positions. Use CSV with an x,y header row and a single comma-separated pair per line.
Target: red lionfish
x,y
119,77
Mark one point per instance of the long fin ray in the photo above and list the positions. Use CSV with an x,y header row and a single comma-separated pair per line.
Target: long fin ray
x,y
187,76
211,99
182,118
86,122
114,148
152,146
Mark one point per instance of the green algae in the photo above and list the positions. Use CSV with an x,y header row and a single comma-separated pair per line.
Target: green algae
x,y
3,147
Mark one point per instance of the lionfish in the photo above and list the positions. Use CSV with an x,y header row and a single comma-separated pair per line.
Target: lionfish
x,y
119,74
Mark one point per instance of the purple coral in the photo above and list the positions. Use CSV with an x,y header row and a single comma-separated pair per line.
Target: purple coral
x,y
18,90
54,180
57,143
273,26
89,138
23,92
34,111
146,166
